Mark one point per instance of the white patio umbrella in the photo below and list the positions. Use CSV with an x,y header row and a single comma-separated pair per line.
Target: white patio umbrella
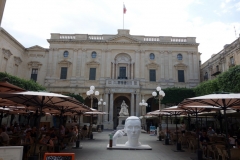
x,y
42,100
221,101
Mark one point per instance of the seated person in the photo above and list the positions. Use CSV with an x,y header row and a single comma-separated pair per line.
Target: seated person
x,y
34,132
28,139
204,140
231,140
4,135
46,140
210,131
237,142
9,131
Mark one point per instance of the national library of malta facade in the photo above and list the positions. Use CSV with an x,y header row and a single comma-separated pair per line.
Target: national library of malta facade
x,y
121,67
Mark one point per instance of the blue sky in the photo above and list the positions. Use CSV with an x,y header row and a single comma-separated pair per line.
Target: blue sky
x,y
210,21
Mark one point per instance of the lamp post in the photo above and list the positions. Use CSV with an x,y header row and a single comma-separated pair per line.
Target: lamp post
x,y
159,94
91,94
143,104
101,103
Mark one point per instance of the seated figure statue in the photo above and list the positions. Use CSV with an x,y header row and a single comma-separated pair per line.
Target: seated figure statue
x,y
124,109
133,130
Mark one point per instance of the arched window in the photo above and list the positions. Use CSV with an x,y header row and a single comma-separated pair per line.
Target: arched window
x,y
65,54
179,57
94,54
152,56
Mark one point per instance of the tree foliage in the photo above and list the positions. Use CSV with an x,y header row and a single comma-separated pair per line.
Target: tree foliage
x,y
226,82
29,85
76,96
175,95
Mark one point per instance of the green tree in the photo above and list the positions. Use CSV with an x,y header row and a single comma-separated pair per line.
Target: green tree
x,y
29,85
76,96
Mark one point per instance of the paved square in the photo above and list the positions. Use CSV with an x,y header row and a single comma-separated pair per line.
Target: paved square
x,y
97,149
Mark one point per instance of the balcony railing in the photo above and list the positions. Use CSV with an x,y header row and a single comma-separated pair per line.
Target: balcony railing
x,y
216,72
122,82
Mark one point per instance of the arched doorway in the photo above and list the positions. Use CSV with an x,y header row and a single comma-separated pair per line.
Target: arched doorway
x,y
87,101
117,107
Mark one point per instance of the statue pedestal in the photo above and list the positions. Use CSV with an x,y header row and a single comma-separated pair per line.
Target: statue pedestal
x,y
121,122
123,147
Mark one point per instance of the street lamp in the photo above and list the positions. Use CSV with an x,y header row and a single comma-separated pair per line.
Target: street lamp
x,y
91,94
159,94
102,104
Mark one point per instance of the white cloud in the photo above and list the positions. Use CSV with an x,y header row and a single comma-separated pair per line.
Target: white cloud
x,y
31,22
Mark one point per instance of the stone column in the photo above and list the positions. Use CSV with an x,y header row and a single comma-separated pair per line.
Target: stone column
x,y
54,63
162,65
49,65
108,64
132,104
137,105
103,63
195,65
137,65
105,109
170,66
142,71
166,66
74,65
78,65
83,62
111,108
190,73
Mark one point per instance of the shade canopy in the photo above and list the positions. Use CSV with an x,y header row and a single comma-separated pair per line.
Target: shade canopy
x,y
8,87
222,101
41,99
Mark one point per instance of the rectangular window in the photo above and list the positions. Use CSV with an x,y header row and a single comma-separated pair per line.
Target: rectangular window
x,y
92,74
152,75
122,72
63,73
231,60
180,75
34,74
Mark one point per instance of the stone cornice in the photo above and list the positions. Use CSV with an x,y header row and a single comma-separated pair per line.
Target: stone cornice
x,y
12,38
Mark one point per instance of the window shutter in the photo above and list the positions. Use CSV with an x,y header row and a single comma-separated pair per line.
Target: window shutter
x,y
180,75
63,73
34,74
152,75
92,74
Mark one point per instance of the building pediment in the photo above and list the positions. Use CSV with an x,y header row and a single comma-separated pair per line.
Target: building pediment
x,y
180,65
36,48
123,39
93,63
34,64
65,62
152,66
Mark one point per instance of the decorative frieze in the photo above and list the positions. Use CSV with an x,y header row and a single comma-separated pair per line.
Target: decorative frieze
x,y
34,64
17,60
6,53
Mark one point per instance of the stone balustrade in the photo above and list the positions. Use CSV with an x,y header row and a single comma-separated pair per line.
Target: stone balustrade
x,y
148,39
67,36
122,82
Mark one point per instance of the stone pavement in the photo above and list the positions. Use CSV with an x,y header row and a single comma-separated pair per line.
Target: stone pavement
x,y
97,149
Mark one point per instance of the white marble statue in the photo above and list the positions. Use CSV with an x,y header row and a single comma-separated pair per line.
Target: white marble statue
x,y
124,109
133,130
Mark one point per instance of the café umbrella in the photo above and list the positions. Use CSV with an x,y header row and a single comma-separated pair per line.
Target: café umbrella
x,y
41,100
220,101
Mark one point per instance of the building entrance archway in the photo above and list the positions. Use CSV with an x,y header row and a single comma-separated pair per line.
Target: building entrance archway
x,y
117,107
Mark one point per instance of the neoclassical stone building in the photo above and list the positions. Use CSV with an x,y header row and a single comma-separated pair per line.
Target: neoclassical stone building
x,y
228,57
121,67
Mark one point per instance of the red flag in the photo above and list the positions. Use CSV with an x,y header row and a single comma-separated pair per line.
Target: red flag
x,y
124,9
